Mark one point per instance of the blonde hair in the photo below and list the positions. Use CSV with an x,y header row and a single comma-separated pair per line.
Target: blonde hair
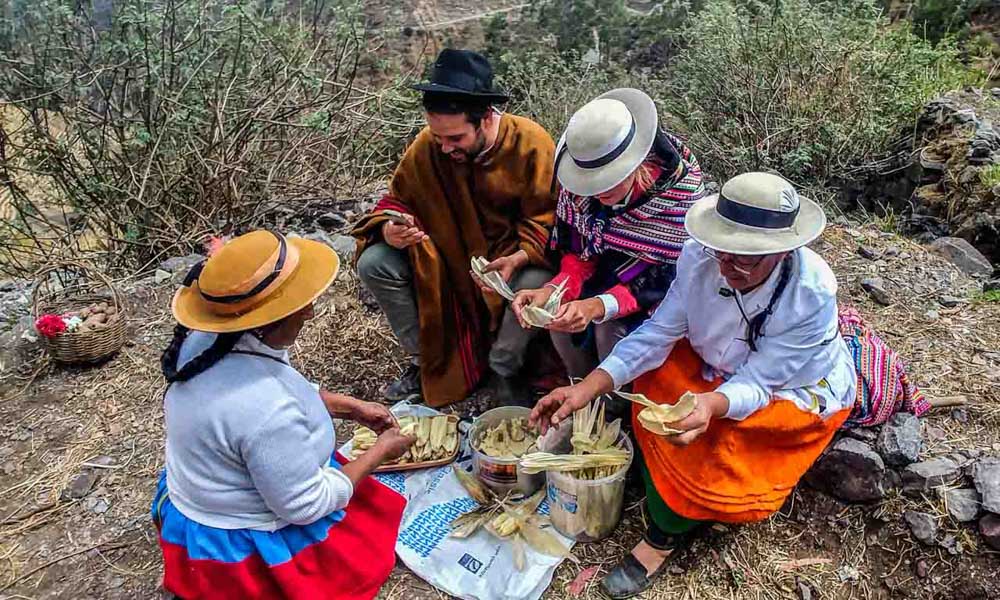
x,y
643,176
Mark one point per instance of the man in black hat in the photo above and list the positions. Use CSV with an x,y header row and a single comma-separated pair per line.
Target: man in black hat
x,y
475,182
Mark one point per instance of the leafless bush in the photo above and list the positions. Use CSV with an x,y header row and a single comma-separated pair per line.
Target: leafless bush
x,y
135,135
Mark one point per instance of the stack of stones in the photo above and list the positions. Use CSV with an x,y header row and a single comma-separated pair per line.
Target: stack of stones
x,y
864,464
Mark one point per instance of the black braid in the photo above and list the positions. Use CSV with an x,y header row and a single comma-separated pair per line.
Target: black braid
x,y
755,328
222,346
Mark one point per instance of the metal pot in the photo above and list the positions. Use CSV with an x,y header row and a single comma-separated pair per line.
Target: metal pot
x,y
501,475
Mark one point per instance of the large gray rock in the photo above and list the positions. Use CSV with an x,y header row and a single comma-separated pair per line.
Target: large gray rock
x,y
345,247
851,471
962,503
963,255
923,476
923,525
875,287
899,441
989,528
986,476
80,485
180,264
331,220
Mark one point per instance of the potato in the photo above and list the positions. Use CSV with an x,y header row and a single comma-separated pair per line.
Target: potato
x,y
93,320
102,307
111,311
85,313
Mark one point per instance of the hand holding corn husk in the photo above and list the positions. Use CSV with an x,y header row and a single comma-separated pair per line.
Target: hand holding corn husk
x,y
494,275
655,417
436,438
596,451
538,307
684,421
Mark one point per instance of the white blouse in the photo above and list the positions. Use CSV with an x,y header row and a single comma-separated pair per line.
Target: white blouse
x,y
249,442
800,356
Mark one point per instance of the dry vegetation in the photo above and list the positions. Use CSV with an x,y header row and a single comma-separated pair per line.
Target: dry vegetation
x,y
56,420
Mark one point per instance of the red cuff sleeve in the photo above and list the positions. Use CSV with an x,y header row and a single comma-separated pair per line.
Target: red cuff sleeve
x,y
574,272
627,304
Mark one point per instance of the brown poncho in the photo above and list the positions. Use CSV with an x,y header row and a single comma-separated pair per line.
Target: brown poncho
x,y
501,203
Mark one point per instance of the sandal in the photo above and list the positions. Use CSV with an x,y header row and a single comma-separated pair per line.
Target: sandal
x,y
629,577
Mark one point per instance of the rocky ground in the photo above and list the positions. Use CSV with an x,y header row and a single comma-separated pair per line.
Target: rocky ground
x,y
943,177
80,449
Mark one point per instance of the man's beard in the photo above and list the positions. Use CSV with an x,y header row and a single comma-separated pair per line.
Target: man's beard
x,y
463,156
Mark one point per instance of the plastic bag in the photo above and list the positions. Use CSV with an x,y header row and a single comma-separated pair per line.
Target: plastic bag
x,y
480,567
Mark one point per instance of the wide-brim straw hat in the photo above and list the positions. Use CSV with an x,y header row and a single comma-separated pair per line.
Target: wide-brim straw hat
x,y
254,280
755,214
605,141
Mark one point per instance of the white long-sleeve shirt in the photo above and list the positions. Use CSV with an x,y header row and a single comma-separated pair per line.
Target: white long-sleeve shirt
x,y
801,355
249,442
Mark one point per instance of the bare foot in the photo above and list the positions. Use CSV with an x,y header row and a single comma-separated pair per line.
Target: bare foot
x,y
649,557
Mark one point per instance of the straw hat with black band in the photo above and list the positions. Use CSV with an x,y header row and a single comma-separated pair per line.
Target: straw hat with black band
x,y
254,280
605,141
755,214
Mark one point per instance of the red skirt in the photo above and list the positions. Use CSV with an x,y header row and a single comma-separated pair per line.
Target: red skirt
x,y
346,555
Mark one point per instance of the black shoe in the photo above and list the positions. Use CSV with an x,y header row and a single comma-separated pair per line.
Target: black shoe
x,y
407,387
629,578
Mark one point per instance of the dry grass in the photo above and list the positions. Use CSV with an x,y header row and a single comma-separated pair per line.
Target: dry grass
x,y
52,421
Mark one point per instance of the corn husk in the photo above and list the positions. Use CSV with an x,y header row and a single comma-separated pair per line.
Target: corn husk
x,y
537,462
437,438
509,438
516,523
540,316
597,454
476,489
655,417
492,278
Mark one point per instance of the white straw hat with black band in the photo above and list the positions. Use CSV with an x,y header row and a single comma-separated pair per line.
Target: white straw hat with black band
x,y
605,141
755,214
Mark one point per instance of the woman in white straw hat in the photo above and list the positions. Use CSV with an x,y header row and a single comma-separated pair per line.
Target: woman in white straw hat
x,y
252,502
625,186
750,327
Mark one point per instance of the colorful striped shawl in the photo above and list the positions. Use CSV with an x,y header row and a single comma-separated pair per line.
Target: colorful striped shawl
x,y
650,229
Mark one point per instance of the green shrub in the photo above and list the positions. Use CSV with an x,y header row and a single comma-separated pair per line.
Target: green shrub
x,y
549,89
804,88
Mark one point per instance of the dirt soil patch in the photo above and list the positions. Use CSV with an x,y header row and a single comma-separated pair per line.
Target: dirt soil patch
x,y
54,421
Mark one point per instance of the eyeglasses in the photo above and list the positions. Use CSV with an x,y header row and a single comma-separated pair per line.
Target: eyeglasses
x,y
743,264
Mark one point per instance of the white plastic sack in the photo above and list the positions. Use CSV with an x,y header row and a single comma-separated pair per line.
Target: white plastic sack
x,y
480,567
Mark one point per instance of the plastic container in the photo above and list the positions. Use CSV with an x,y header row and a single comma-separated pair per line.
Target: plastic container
x,y
501,475
588,510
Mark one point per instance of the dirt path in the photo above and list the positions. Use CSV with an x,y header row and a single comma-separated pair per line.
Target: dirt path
x,y
103,545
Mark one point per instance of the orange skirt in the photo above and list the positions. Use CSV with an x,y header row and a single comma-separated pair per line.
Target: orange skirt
x,y
737,471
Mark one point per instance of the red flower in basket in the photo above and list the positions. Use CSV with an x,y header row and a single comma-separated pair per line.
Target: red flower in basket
x,y
50,325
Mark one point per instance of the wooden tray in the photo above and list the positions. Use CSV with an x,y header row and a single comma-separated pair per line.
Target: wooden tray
x,y
391,467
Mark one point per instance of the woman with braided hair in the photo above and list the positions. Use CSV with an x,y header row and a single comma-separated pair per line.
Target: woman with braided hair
x,y
253,502
750,327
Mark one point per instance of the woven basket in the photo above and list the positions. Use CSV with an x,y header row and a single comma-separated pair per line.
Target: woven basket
x,y
81,287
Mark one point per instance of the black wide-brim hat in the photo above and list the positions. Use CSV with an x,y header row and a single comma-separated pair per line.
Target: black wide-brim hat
x,y
463,73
